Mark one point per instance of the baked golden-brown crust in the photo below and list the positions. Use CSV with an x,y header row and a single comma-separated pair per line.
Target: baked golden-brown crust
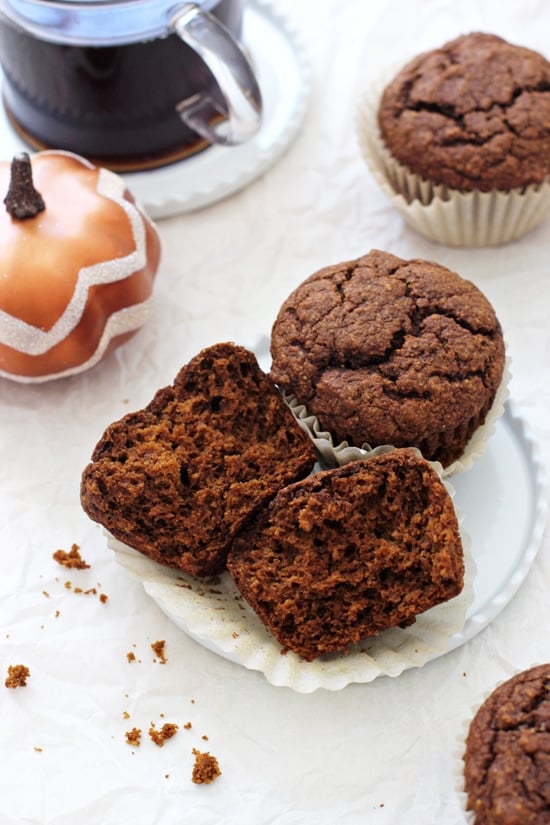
x,y
178,479
473,114
344,554
389,351
507,757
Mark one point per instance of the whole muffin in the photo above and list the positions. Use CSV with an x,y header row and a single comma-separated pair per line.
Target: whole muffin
x,y
349,552
507,756
472,115
390,351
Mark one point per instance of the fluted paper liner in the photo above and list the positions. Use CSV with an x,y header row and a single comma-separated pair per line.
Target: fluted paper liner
x,y
335,455
447,216
215,615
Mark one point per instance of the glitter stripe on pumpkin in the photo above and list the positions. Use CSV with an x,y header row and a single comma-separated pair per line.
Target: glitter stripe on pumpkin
x,y
125,321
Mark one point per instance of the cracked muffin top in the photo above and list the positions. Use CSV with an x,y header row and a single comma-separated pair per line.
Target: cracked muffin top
x,y
390,351
506,762
473,114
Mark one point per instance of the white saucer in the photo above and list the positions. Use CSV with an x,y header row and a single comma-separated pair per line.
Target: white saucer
x,y
283,75
503,503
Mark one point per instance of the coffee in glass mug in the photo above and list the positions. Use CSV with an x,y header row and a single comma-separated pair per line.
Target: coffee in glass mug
x,y
131,84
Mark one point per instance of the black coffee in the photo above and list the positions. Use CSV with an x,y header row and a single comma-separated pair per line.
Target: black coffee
x,y
113,104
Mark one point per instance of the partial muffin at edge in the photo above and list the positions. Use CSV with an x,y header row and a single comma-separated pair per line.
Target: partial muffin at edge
x,y
507,755
179,478
473,114
390,351
347,553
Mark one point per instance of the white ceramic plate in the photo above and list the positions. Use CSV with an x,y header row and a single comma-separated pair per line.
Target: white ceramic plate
x,y
283,75
503,509
216,616
504,501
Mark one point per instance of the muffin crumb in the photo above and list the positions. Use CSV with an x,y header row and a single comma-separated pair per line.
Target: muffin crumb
x,y
133,737
72,559
17,676
158,650
159,737
205,769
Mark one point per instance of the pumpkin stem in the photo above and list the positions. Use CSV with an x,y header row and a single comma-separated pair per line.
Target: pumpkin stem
x,y
22,200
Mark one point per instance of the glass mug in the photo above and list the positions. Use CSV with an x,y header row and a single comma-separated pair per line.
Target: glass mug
x,y
132,84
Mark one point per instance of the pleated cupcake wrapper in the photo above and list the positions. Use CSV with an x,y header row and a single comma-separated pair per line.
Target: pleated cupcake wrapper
x,y
216,616
331,455
447,216
460,744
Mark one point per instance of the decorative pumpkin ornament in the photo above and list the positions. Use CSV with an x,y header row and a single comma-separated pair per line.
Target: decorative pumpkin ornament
x,y
78,260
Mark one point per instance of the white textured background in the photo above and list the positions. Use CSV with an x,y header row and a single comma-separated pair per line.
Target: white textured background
x,y
385,752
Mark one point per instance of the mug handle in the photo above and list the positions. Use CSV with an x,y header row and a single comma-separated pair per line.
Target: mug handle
x,y
216,46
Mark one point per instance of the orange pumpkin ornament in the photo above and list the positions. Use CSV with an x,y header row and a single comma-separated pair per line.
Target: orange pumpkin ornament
x,y
78,259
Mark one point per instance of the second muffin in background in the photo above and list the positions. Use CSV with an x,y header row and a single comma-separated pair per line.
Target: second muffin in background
x,y
460,139
383,350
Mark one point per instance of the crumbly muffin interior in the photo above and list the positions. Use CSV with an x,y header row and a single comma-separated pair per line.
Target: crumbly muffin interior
x,y
347,553
179,478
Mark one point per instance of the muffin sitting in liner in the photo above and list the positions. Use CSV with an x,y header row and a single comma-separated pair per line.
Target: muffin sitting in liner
x,y
462,134
383,351
507,756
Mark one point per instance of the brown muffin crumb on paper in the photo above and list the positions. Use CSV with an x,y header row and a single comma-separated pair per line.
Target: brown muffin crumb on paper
x,y
159,737
158,649
73,560
205,769
133,737
17,676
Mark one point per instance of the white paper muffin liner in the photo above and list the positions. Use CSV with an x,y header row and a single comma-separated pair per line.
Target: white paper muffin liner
x,y
447,216
216,616
332,455
459,750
